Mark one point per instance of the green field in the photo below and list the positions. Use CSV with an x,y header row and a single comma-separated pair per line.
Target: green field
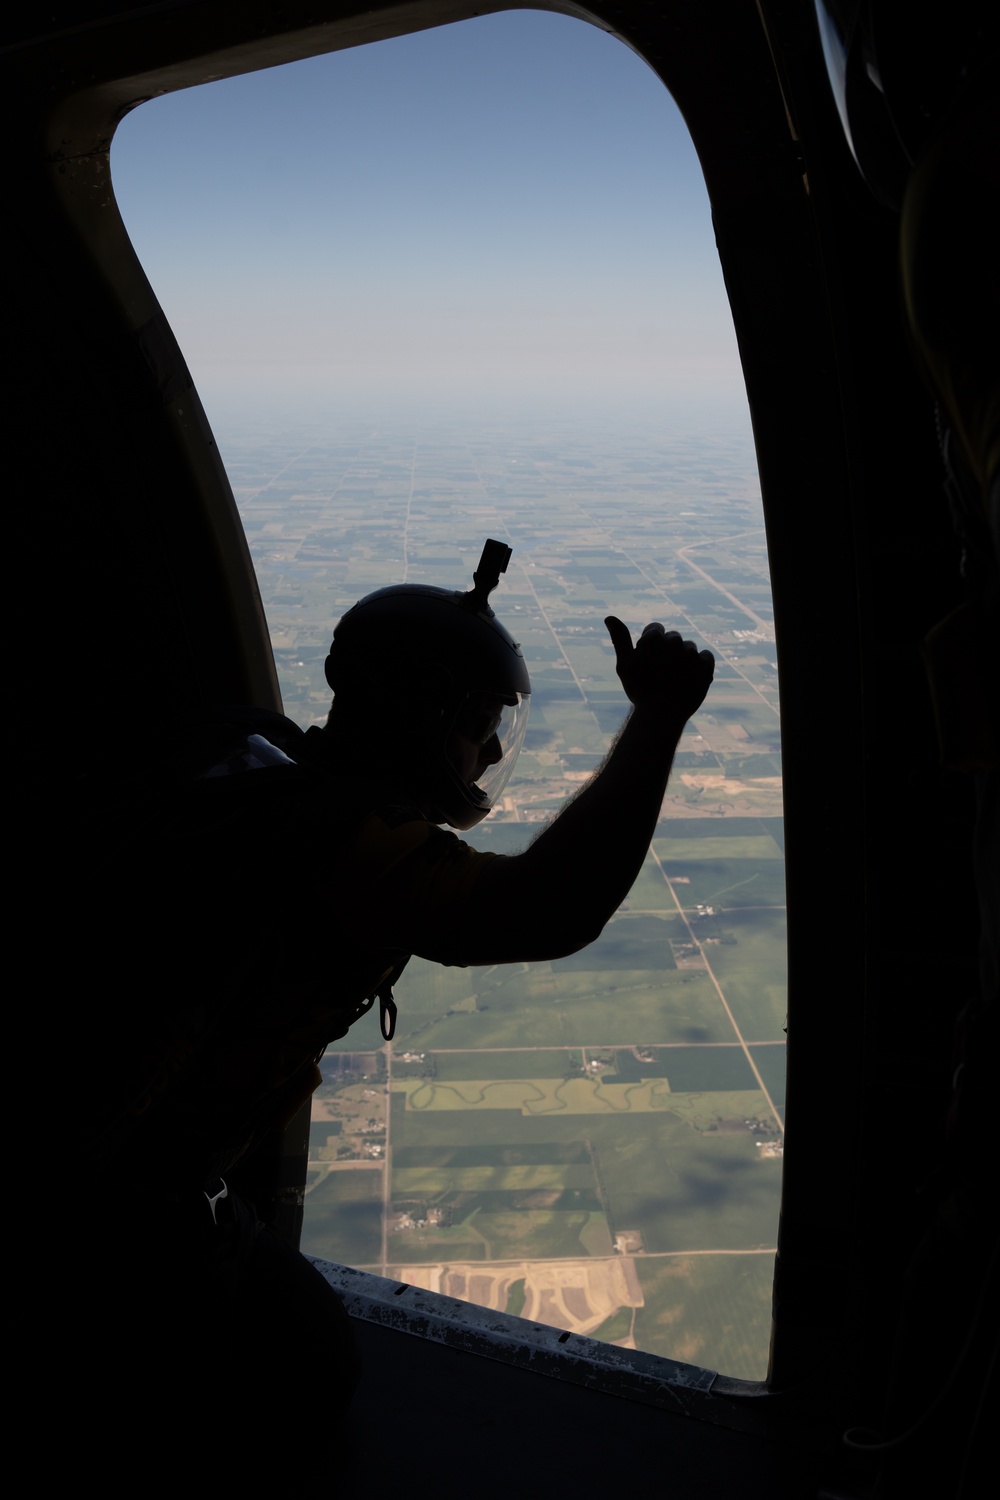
x,y
753,972
713,1310
529,1153
521,1234
688,1190
524,1064
711,1069
730,828
651,893
770,1061
523,1177
716,844
618,1326
343,1221
724,882
516,1299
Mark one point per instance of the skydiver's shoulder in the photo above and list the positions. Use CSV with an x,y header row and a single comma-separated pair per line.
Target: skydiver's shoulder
x,y
344,783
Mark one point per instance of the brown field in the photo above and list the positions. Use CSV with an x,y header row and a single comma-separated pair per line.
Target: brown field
x,y
576,1295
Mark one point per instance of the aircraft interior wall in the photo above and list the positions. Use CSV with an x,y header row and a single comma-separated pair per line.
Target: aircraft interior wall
x,y
157,605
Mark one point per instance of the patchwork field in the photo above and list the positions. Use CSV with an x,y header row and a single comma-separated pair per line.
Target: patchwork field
x,y
583,1296
594,1143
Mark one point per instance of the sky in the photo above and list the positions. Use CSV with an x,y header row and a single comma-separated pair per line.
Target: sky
x,y
506,211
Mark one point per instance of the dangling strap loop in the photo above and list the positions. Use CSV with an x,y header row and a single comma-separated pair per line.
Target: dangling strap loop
x,y
387,1012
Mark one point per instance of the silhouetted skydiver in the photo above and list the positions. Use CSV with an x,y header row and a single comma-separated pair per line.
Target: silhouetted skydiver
x,y
430,705
274,905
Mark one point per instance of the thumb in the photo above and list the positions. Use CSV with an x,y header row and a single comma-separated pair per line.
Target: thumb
x,y
621,639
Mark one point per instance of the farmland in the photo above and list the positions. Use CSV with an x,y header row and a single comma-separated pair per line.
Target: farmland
x,y
593,1141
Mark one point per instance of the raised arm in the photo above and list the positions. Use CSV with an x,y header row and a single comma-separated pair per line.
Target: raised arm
x,y
556,897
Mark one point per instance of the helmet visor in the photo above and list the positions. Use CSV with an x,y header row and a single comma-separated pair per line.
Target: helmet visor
x,y
485,742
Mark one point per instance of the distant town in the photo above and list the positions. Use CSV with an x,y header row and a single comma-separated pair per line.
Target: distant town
x,y
596,1142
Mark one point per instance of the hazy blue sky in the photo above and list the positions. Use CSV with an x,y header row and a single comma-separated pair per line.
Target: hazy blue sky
x,y
508,207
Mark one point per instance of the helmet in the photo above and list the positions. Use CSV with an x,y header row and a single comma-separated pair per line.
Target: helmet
x,y
417,672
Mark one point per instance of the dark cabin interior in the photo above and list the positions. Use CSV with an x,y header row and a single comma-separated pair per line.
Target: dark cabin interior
x,y
884,1322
